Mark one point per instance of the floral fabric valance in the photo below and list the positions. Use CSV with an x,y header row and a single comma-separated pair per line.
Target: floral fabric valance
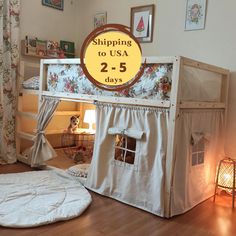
x,y
154,84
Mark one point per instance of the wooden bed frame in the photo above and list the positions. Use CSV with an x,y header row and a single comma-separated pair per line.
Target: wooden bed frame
x,y
175,104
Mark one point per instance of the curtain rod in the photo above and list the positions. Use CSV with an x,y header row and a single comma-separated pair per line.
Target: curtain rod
x,y
76,100
71,100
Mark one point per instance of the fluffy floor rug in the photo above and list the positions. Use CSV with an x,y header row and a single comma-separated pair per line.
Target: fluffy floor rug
x,y
36,198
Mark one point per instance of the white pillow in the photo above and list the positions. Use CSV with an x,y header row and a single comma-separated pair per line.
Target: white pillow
x,y
31,83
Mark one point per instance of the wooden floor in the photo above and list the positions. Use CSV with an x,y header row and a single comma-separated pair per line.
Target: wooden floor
x,y
61,161
109,217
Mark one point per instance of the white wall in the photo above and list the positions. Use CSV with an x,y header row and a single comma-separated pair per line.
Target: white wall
x,y
215,45
117,12
46,22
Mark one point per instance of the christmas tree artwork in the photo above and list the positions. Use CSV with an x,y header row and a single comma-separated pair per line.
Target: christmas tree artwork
x,y
140,26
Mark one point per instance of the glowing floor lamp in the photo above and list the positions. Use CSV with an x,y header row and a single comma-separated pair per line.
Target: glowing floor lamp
x,y
225,178
89,117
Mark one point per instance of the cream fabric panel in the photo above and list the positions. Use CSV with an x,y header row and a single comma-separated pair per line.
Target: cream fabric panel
x,y
193,184
200,85
140,184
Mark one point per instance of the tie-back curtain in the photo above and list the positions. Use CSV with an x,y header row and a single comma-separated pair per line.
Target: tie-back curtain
x,y
9,56
136,134
42,150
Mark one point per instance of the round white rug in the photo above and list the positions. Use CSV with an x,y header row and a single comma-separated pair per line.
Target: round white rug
x,y
36,198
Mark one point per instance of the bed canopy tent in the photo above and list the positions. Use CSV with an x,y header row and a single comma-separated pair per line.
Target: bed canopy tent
x,y
173,137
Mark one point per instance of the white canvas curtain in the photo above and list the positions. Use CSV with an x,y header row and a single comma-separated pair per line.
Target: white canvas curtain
x,y
42,150
193,184
140,184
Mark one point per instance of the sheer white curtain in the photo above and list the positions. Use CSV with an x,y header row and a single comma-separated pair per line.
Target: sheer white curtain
x,y
142,183
42,150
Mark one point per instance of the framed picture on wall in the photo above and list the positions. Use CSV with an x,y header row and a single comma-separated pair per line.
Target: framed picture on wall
x,y
195,14
57,4
100,19
141,23
68,48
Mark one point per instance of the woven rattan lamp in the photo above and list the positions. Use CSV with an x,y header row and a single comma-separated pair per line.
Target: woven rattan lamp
x,y
225,178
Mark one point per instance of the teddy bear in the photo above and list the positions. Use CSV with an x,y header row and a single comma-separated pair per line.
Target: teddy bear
x,y
74,124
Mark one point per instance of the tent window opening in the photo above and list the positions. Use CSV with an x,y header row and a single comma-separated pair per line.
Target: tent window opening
x,y
198,152
125,149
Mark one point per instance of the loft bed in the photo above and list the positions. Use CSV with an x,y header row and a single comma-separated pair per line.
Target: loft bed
x,y
175,114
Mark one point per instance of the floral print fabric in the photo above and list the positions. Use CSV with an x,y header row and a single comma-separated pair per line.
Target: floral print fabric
x,y
155,83
9,32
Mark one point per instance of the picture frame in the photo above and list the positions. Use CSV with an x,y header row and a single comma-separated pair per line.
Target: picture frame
x,y
57,4
41,47
52,48
99,19
68,48
30,45
195,14
142,22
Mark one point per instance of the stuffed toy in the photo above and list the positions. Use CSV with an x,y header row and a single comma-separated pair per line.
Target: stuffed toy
x,y
78,157
74,124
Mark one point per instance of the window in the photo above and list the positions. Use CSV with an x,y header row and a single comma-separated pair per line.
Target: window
x,y
125,149
198,152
